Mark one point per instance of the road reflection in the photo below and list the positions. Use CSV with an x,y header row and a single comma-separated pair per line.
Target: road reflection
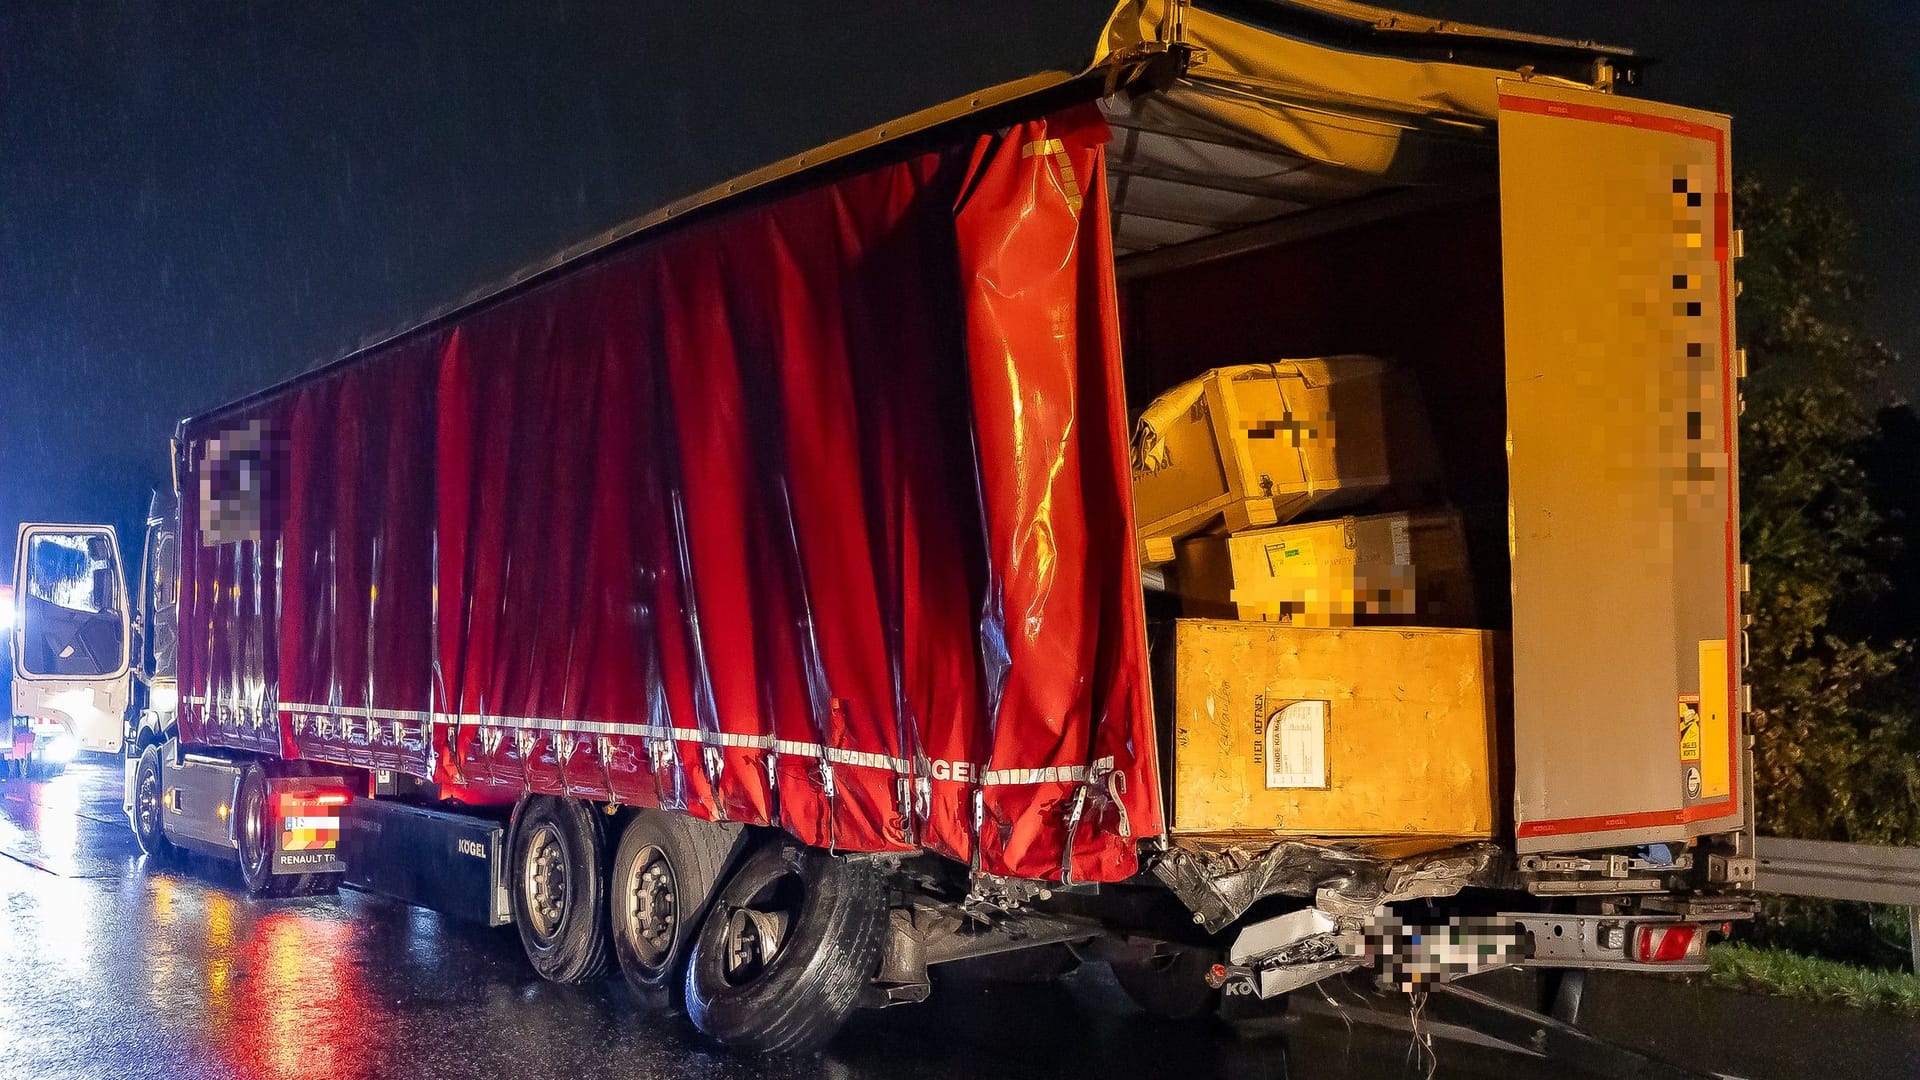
x,y
300,1009
117,966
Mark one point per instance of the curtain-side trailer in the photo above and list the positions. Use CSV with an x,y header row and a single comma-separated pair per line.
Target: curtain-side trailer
x,y
752,598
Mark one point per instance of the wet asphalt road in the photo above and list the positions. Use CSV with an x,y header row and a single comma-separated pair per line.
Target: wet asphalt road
x,y
110,967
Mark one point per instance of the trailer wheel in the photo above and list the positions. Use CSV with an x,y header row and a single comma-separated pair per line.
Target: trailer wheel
x,y
253,832
1170,985
148,830
558,856
792,941
664,875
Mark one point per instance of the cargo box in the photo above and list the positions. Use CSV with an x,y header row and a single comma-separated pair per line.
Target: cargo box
x,y
1387,569
1334,733
1262,444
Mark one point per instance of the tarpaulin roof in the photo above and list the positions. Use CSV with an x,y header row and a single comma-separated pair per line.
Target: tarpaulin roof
x,y
1263,123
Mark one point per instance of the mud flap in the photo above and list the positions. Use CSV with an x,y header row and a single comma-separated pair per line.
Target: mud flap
x,y
305,812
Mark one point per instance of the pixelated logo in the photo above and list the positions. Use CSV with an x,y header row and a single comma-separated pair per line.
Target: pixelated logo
x,y
1695,443
233,484
1298,433
1410,957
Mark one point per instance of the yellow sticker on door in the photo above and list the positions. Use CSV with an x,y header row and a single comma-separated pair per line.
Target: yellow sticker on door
x,y
1690,727
1716,721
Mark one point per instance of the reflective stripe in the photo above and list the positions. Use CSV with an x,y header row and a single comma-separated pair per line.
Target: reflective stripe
x,y
1050,774
364,712
835,755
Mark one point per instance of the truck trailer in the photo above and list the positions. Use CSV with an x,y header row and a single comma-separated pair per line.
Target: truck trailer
x,y
758,599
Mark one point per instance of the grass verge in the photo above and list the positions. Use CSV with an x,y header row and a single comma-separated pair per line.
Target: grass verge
x,y
1806,978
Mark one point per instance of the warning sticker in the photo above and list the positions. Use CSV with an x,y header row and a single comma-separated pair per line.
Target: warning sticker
x,y
1296,745
1690,728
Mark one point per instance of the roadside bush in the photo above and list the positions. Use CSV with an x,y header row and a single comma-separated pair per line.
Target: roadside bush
x,y
1824,506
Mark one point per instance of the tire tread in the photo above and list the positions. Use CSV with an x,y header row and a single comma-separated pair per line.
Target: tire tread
x,y
592,959
819,1000
700,853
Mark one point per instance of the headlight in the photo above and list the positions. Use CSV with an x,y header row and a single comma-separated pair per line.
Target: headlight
x,y
61,748
163,699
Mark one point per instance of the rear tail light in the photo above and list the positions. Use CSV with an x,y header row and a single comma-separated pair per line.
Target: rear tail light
x,y
307,803
1666,944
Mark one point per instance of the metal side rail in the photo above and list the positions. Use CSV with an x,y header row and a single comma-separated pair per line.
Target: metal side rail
x,y
1864,873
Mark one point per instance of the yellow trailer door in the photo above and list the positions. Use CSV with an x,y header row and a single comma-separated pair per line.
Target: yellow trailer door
x,y
1621,406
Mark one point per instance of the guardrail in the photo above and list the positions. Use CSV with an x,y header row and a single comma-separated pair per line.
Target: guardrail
x,y
1830,871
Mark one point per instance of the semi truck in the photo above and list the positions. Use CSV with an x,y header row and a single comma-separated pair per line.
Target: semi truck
x,y
751,599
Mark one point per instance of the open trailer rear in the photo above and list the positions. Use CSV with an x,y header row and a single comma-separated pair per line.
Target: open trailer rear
x,y
1210,511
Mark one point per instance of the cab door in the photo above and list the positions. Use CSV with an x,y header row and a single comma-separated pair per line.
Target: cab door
x,y
71,634
1622,463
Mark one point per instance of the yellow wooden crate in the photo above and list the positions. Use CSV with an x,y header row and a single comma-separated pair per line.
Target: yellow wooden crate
x,y
1384,570
1333,732
1260,444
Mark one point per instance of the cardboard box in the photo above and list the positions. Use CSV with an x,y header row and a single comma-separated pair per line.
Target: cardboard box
x,y
1351,732
1261,444
1388,569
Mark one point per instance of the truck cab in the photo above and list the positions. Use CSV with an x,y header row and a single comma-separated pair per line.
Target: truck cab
x,y
70,645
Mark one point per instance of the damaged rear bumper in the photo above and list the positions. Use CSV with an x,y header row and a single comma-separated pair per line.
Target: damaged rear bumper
x,y
1300,948
1219,880
1349,920
1286,952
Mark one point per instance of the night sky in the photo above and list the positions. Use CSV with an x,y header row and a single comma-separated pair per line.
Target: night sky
x,y
195,204
1825,92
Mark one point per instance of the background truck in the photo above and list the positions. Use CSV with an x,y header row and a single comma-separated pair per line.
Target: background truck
x,y
752,598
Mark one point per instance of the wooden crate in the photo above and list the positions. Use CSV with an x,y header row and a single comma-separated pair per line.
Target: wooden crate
x,y
1384,570
1260,444
1349,732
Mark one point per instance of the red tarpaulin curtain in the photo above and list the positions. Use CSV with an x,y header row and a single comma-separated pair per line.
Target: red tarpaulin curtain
x,y
815,515
1068,686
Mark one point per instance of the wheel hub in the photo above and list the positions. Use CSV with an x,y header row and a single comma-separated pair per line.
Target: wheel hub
x,y
651,909
147,805
754,938
546,878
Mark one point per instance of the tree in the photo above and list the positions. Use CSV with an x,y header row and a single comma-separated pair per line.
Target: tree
x,y
1836,748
